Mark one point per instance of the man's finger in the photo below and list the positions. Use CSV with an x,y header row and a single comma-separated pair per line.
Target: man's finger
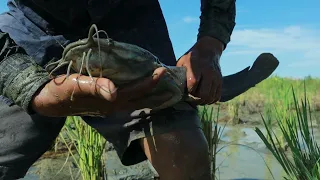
x,y
197,92
193,78
105,88
85,86
207,89
193,71
218,93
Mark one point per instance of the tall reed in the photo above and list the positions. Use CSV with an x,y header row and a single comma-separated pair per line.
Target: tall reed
x,y
90,148
303,160
212,133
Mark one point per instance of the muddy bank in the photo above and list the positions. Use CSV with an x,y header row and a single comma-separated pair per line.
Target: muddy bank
x,y
249,115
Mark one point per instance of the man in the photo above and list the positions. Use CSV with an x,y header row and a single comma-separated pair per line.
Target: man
x,y
34,107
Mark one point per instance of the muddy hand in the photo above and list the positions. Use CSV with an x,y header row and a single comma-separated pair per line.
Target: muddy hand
x,y
204,79
99,98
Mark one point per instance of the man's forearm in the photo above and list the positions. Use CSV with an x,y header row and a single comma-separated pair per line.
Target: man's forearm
x,y
217,19
20,76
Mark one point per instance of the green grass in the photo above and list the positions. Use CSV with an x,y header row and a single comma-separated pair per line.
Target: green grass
x,y
277,90
302,162
89,145
209,121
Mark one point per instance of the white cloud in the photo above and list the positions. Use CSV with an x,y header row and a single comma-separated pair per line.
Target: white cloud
x,y
190,19
304,63
294,40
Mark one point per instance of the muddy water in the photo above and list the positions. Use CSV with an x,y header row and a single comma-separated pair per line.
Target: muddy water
x,y
242,155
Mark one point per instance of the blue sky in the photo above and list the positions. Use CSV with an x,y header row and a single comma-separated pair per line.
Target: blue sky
x,y
289,29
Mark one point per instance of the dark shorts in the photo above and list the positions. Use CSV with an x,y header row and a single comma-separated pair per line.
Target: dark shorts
x,y
24,138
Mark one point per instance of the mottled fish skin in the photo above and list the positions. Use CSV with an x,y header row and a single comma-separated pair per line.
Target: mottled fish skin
x,y
123,64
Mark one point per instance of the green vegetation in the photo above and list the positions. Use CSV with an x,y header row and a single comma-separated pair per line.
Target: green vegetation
x,y
277,91
289,124
211,133
89,145
297,129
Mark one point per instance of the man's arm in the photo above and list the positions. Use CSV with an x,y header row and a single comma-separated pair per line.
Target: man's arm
x,y
217,22
217,19
24,83
20,76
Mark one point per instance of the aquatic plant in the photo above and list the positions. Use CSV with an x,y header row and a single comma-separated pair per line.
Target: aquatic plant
x,y
212,133
281,108
90,148
303,160
233,110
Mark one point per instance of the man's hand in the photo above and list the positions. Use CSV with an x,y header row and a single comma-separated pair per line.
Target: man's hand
x,y
96,98
204,79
